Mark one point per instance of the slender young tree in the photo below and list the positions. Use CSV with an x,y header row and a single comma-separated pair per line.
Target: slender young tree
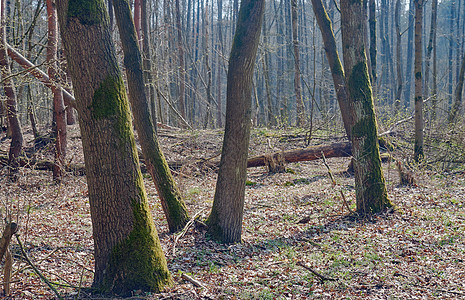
x,y
127,251
372,24
10,93
297,81
225,220
418,147
370,187
170,196
58,104
398,55
431,44
456,108
409,60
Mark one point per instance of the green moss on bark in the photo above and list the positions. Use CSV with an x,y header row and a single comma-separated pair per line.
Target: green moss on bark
x,y
138,263
110,102
88,12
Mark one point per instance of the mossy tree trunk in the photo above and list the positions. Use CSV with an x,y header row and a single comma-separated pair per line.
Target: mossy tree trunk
x,y
418,61
127,251
58,104
225,220
10,93
170,196
370,186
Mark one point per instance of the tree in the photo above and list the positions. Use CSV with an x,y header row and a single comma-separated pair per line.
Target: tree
x,y
297,82
398,55
418,147
58,104
370,186
127,251
225,220
10,93
170,196
337,71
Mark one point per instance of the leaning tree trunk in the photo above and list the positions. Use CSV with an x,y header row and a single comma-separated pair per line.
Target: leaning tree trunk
x,y
170,196
370,187
418,147
58,104
337,71
10,93
127,251
225,220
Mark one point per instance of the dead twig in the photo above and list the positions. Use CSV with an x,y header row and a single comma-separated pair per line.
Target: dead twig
x,y
320,276
185,229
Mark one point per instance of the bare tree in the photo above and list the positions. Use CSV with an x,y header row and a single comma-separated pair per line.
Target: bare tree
x,y
225,220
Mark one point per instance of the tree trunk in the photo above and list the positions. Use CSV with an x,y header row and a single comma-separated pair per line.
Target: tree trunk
x,y
182,71
170,196
418,147
431,45
10,93
458,93
398,55
297,82
128,254
58,104
337,71
408,71
225,220
370,188
372,23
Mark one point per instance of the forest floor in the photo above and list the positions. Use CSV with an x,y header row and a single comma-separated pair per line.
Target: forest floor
x,y
299,240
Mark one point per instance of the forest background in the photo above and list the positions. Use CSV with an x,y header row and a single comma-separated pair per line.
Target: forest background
x,y
189,48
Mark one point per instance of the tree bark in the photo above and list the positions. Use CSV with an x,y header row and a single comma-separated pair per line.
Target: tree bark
x,y
370,188
225,220
128,254
170,196
58,104
418,147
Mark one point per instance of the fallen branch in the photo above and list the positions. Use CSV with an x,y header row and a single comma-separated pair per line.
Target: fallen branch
x,y
195,282
320,276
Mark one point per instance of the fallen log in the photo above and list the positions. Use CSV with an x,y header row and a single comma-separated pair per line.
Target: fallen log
x,y
274,161
303,154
